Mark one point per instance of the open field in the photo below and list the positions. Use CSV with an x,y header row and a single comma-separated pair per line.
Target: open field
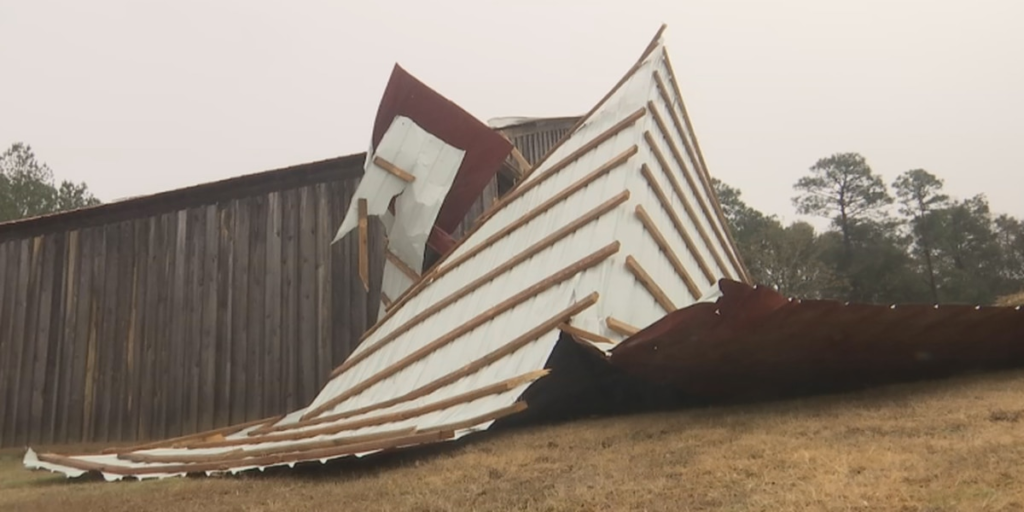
x,y
950,445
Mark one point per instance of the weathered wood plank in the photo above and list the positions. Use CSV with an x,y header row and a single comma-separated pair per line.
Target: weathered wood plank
x,y
54,359
10,253
82,302
340,263
209,363
179,353
239,311
169,354
25,341
147,306
161,340
40,376
91,416
140,240
307,342
68,309
120,391
289,294
364,241
111,338
225,266
196,246
372,300
273,362
255,302
324,235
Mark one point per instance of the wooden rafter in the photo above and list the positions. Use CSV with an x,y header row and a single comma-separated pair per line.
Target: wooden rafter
x,y
666,250
364,244
703,165
440,270
650,285
585,335
666,205
522,256
393,169
382,419
666,170
621,327
497,206
705,211
401,265
537,288
463,372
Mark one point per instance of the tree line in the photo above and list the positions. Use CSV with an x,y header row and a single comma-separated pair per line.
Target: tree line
x,y
905,243
28,187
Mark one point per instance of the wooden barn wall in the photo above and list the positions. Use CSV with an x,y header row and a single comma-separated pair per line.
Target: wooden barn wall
x,y
481,204
182,321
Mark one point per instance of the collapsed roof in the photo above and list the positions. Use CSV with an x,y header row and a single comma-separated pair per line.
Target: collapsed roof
x,y
616,229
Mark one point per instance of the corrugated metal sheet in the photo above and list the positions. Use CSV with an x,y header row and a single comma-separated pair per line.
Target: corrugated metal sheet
x,y
575,243
754,343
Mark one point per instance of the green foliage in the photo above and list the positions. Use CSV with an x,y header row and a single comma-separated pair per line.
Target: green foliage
x,y
920,194
842,188
936,250
27,187
785,258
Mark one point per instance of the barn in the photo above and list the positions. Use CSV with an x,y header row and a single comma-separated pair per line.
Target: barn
x,y
192,309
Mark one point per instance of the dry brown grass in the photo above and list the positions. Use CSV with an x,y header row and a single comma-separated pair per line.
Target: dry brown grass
x,y
949,445
1011,300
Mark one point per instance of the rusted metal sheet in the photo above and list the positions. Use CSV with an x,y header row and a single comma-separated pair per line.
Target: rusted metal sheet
x,y
485,149
754,343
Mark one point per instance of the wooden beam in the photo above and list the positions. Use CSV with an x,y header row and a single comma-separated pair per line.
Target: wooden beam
x,y
703,165
559,276
537,288
383,419
666,250
523,255
364,245
709,216
585,335
440,270
243,453
181,440
225,465
463,372
513,226
401,265
386,300
522,162
648,282
393,169
621,327
502,203
678,223
678,189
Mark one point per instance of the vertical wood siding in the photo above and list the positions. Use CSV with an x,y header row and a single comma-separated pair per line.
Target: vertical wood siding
x,y
189,319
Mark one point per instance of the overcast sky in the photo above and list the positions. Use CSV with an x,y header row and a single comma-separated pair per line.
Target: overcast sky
x,y
136,97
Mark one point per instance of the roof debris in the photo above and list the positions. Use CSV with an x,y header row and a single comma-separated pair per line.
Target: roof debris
x,y
614,229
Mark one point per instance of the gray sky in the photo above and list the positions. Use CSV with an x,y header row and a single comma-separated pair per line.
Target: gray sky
x,y
136,97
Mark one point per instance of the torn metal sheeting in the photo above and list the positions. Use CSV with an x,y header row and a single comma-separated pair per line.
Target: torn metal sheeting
x,y
754,343
459,348
406,96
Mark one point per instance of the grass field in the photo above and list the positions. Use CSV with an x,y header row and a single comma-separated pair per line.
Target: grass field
x,y
949,445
